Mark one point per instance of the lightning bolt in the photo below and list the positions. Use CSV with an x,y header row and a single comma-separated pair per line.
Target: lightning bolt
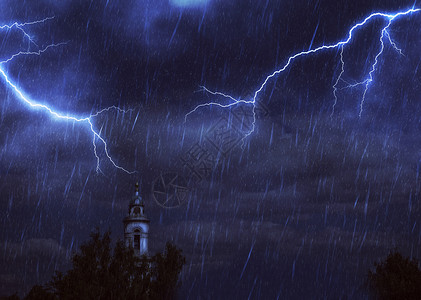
x,y
20,26
21,95
338,45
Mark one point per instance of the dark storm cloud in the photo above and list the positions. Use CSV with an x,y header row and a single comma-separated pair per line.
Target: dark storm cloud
x,y
35,248
312,200
38,251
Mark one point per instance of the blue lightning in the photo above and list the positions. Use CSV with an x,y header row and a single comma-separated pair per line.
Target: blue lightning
x,y
20,94
393,43
20,26
236,101
383,36
373,67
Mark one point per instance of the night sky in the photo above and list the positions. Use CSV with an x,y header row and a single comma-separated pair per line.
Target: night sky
x,y
298,206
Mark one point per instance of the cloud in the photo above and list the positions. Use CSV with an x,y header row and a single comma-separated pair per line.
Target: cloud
x,y
35,247
62,4
189,3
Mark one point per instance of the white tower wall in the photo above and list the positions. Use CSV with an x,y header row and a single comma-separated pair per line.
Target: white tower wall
x,y
136,225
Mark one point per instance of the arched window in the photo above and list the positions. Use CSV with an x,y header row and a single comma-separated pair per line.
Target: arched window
x,y
136,210
136,244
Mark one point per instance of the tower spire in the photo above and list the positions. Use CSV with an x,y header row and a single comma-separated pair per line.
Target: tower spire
x,y
136,225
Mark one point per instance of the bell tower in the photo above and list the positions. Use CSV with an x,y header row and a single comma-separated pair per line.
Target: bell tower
x,y
136,225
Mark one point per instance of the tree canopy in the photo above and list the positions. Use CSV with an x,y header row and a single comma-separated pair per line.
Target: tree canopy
x,y
396,278
100,272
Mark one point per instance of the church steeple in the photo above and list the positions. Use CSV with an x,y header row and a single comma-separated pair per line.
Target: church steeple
x,y
136,225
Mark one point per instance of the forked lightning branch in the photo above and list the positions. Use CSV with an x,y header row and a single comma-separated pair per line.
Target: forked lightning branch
x,y
33,104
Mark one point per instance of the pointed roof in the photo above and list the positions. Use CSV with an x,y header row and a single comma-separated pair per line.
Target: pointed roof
x,y
136,201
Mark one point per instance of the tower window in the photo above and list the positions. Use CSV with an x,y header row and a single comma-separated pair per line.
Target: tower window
x,y
136,245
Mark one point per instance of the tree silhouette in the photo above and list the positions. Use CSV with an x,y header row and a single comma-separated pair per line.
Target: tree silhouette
x,y
39,292
11,297
396,278
167,267
99,272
